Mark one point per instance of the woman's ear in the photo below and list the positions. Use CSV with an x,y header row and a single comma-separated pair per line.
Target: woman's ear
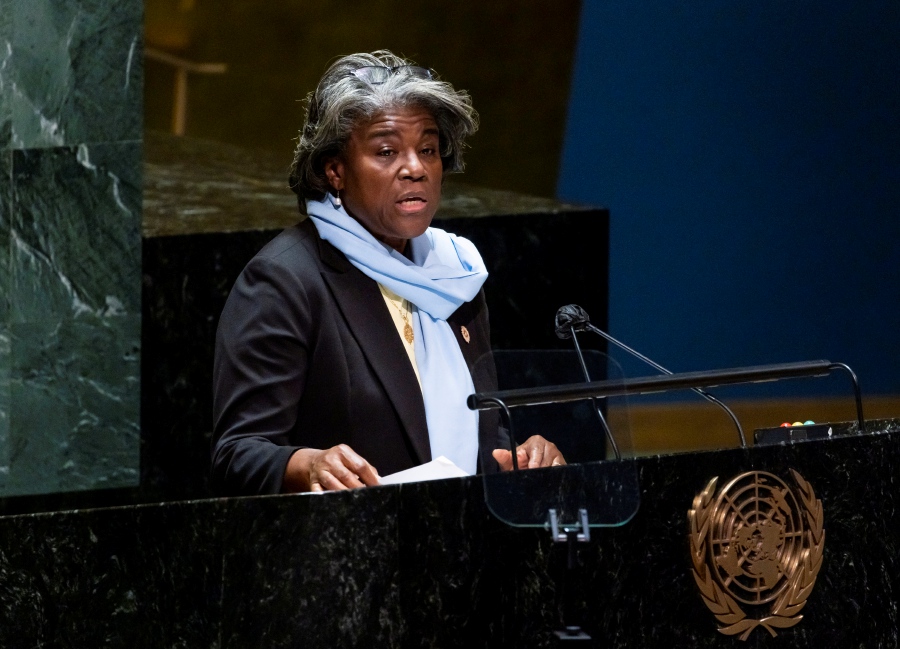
x,y
334,172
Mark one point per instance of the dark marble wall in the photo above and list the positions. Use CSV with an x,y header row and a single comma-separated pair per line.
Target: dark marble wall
x,y
70,257
426,565
186,282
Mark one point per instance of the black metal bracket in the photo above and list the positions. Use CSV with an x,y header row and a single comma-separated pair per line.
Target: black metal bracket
x,y
571,534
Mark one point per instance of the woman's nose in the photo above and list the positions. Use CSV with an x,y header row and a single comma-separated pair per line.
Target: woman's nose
x,y
412,167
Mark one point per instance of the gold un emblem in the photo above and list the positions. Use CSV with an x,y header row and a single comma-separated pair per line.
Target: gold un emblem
x,y
756,550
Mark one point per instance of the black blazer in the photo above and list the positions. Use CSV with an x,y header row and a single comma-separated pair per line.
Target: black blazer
x,y
307,355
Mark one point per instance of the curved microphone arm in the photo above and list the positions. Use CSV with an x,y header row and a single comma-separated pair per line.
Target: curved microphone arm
x,y
703,393
587,377
506,415
856,393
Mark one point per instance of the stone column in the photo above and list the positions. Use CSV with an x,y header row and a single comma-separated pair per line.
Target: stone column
x,y
71,85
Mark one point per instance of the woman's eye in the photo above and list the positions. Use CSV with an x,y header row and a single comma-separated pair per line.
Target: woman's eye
x,y
386,152
428,151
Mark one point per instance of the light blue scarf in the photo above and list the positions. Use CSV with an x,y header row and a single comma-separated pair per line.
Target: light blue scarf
x,y
445,272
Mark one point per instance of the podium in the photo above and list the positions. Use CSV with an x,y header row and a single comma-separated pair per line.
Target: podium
x,y
427,565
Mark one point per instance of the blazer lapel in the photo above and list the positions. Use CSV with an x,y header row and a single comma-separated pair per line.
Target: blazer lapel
x,y
367,316
477,346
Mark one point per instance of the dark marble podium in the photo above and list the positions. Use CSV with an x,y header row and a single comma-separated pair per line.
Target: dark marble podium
x,y
426,565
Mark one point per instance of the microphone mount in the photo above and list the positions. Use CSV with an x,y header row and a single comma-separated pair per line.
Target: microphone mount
x,y
572,318
648,384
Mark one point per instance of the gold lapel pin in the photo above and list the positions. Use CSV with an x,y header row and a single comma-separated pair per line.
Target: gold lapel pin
x,y
465,334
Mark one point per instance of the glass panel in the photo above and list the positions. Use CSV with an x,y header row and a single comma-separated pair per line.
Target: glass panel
x,y
601,475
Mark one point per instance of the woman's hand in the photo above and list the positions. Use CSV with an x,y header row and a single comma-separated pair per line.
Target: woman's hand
x,y
535,452
331,469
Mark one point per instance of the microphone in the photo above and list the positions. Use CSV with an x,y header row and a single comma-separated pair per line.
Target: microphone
x,y
572,318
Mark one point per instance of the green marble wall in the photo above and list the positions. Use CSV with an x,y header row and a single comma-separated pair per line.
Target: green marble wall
x,y
71,85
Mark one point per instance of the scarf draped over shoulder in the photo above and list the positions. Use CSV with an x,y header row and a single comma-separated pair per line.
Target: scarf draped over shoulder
x,y
445,272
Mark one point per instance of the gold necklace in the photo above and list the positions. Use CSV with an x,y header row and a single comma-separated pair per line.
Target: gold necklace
x,y
404,315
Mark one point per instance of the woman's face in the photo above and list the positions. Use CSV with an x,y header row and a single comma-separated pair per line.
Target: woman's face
x,y
390,177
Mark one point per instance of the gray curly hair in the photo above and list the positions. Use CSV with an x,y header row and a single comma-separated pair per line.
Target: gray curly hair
x,y
341,101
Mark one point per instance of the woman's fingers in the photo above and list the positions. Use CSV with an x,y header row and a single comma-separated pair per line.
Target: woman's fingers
x,y
535,452
363,474
338,478
337,468
549,453
503,458
330,469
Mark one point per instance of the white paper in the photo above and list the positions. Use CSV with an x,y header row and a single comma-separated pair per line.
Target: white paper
x,y
438,469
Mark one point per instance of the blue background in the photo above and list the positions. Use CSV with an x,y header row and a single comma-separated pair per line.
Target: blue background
x,y
749,152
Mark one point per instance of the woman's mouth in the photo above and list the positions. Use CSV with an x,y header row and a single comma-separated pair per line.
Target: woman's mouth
x,y
412,203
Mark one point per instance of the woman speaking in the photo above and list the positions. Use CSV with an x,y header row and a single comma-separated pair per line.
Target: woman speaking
x,y
350,342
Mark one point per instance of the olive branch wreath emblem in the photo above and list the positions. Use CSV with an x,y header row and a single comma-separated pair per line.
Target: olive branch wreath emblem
x,y
785,612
